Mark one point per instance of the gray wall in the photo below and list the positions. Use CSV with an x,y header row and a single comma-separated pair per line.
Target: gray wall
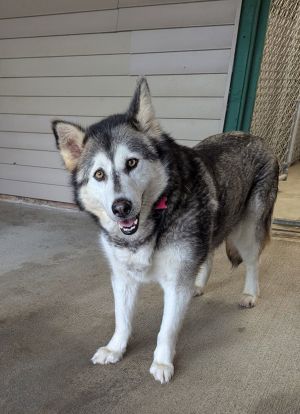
x,y
78,60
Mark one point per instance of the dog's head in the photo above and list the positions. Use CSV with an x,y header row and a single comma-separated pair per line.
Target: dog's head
x,y
115,164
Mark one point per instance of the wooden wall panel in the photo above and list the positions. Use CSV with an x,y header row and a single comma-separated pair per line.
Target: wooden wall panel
x,y
59,24
209,13
34,174
187,38
167,107
17,8
73,45
206,61
65,66
37,190
171,85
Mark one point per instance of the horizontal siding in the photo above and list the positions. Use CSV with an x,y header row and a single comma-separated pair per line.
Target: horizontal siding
x,y
65,106
71,59
17,8
211,13
38,123
172,85
88,44
165,107
135,18
199,38
164,40
31,157
132,3
42,139
34,174
66,66
60,24
27,140
36,190
190,38
206,61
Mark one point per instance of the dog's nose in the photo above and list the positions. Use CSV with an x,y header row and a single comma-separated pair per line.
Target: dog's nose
x,y
121,207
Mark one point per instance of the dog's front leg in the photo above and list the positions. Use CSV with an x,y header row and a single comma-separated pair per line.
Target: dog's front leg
x,y
125,292
176,300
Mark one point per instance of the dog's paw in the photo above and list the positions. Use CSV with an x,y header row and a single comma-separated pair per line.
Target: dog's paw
x,y
162,372
247,301
198,291
106,356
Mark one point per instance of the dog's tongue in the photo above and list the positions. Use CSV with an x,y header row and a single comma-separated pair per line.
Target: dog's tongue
x,y
127,223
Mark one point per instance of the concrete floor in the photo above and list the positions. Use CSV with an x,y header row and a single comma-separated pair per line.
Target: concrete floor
x,y
288,201
56,308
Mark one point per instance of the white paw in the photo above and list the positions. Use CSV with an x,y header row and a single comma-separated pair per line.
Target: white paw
x,y
106,356
162,372
247,301
198,291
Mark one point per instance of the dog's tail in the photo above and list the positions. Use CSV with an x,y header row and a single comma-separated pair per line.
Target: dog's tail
x,y
233,254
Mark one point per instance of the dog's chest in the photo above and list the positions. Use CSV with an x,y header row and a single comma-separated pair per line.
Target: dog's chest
x,y
138,264
148,264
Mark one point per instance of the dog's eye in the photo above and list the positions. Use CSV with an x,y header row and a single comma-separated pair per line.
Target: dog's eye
x,y
99,175
132,163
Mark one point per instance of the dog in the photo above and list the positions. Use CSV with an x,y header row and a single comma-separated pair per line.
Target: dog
x,y
163,209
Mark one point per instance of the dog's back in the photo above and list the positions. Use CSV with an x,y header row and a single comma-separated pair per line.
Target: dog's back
x,y
245,173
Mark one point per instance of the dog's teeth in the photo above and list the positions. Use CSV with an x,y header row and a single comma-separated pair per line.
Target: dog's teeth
x,y
131,229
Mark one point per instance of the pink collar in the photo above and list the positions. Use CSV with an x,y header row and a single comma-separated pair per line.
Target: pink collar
x,y
162,203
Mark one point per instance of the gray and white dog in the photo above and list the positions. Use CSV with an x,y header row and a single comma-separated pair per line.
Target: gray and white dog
x,y
163,209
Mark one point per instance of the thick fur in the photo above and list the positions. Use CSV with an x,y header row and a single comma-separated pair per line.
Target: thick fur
x,y
223,189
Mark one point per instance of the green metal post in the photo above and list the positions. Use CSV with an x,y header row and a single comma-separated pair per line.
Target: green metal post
x,y
249,50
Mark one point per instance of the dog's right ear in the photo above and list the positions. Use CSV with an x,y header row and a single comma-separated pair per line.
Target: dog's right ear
x,y
69,140
141,111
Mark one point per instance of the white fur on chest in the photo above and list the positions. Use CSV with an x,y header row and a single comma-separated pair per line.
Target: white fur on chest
x,y
144,265
136,265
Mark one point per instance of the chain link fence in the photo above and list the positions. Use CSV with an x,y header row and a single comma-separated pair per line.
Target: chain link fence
x,y
279,82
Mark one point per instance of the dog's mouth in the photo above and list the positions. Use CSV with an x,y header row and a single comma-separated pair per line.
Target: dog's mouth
x,y
129,226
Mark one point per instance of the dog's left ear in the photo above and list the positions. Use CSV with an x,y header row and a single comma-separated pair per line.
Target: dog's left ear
x,y
69,140
141,110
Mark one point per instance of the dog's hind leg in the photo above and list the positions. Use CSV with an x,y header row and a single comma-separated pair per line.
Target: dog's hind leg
x,y
249,239
253,232
203,275
243,241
